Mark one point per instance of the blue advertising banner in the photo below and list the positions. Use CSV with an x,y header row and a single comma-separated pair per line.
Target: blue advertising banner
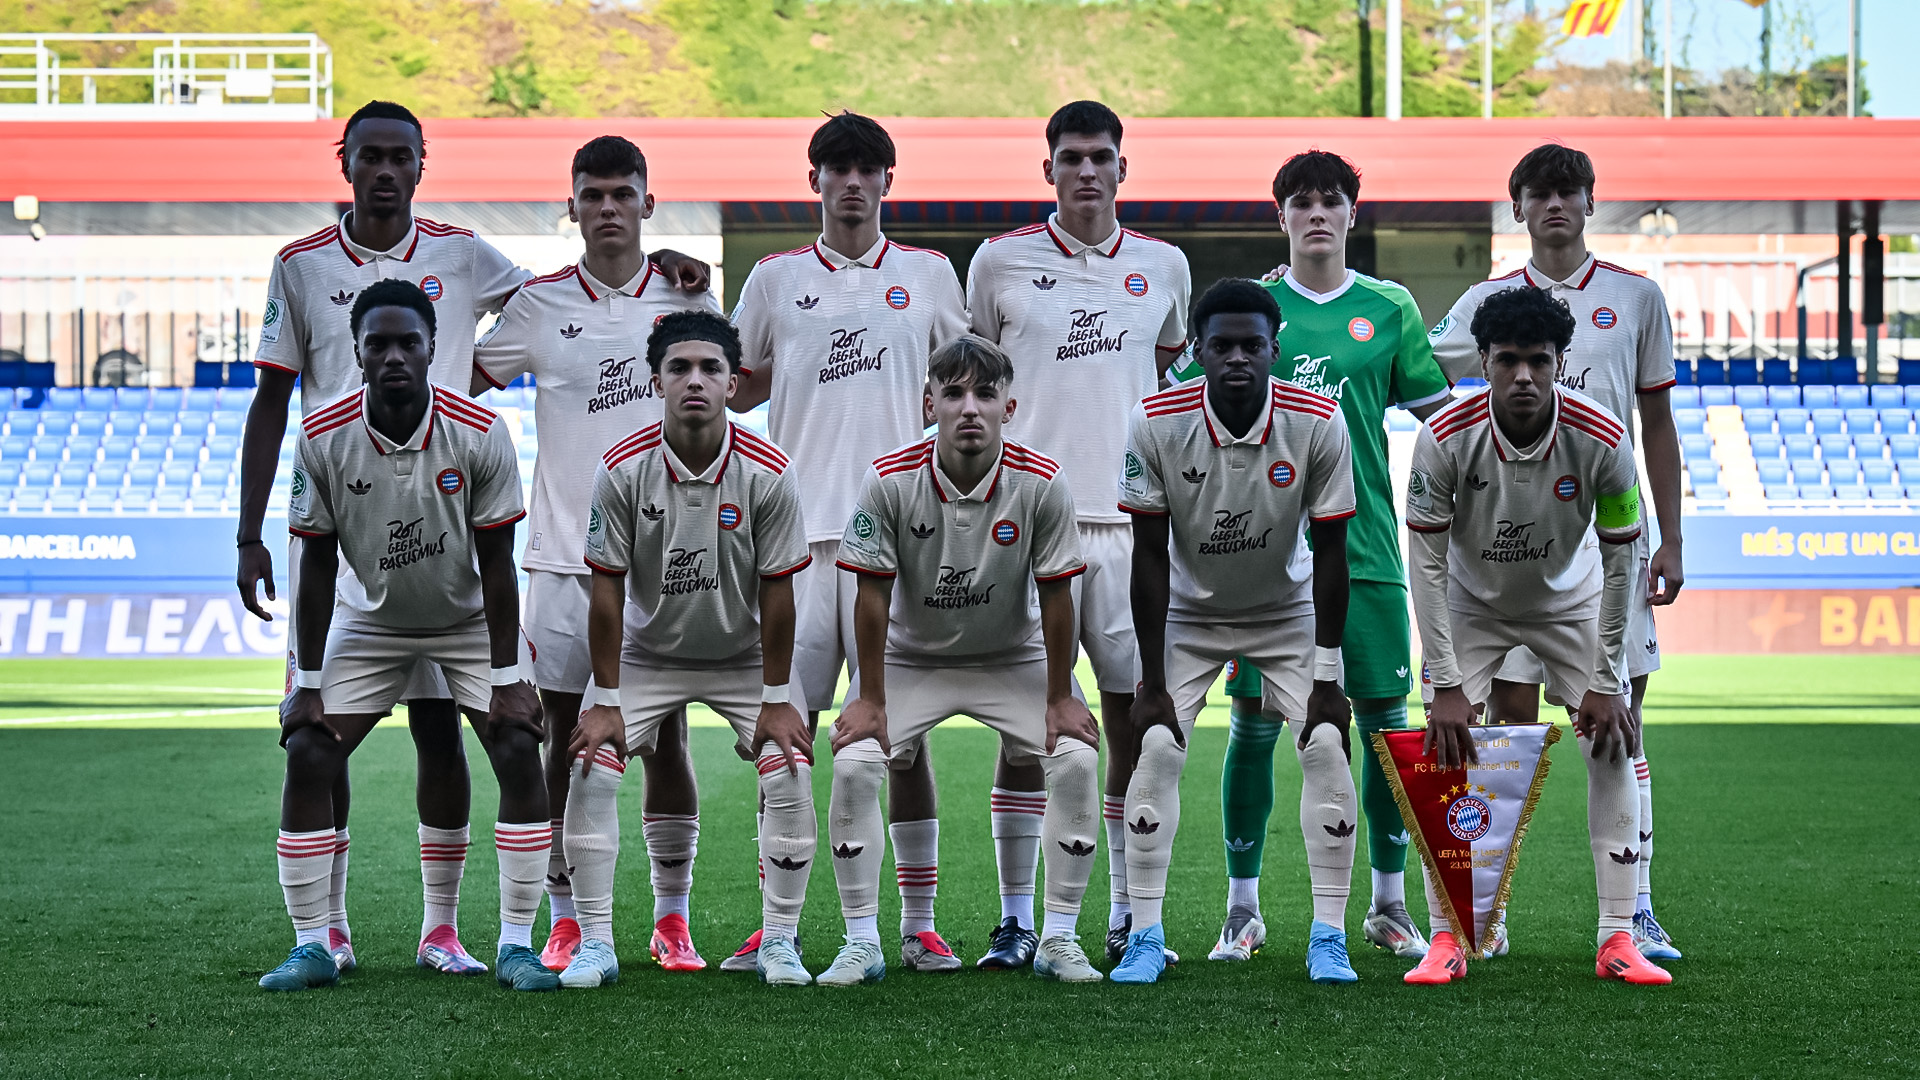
x,y
134,553
1812,551
134,625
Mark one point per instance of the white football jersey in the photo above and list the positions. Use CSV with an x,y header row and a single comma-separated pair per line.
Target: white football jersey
x,y
310,297
694,548
405,513
848,340
963,562
1239,507
1519,518
1622,337
585,343
1087,327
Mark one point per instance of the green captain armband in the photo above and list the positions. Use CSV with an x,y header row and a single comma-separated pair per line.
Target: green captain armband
x,y
1185,370
1620,511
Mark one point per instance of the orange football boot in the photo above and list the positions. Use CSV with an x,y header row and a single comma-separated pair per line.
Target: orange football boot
x,y
1445,962
1619,959
672,945
563,941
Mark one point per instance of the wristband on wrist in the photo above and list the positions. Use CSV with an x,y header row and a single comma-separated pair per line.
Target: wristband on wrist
x,y
1326,664
602,695
505,676
249,543
304,679
776,695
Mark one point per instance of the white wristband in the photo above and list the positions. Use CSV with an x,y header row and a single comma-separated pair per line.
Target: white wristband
x,y
601,695
506,676
1326,664
776,695
306,680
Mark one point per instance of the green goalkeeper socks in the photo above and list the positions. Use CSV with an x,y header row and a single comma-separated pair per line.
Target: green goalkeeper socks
x,y
1246,788
1387,837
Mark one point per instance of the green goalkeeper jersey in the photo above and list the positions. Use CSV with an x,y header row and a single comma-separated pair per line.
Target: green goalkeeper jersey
x,y
1364,345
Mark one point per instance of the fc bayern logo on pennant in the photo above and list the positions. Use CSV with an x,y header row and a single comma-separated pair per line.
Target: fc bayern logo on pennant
x,y
450,481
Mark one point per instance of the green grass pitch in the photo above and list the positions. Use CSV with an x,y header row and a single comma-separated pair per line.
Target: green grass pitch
x,y
138,906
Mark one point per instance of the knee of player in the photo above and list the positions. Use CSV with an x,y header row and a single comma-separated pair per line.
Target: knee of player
x,y
511,746
1072,761
313,753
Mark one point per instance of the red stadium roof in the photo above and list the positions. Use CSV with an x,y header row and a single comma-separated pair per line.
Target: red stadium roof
x,y
749,160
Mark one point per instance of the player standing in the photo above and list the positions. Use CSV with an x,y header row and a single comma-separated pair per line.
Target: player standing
x,y
582,334
1223,477
1091,315
1507,486
697,522
418,490
951,538
1622,353
835,337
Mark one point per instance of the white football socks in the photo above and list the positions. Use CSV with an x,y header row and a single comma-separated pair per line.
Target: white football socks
x,y
559,884
306,864
1643,778
855,834
1243,892
523,849
1113,810
1329,820
673,842
1389,887
1073,790
1015,817
593,841
1613,816
788,840
916,863
443,861
1152,818
337,886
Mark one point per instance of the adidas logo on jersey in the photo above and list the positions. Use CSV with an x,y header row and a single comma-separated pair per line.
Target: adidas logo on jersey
x,y
1193,475
1345,828
1043,283
1078,848
807,303
1401,671
1474,482
848,851
570,332
922,531
652,512
1143,826
342,298
359,487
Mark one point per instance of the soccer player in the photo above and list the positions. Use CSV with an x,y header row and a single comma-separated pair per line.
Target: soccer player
x,y
951,538
1507,485
418,490
305,334
582,334
1360,341
1622,353
1223,477
697,522
835,338
1091,315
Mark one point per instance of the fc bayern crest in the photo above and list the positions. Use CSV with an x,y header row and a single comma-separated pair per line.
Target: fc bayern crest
x,y
897,298
1604,318
1005,532
432,287
1469,818
1137,284
1361,330
729,516
1566,489
450,481
1280,473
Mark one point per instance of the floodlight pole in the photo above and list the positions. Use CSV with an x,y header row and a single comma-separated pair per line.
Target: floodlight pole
x,y
1666,49
1486,62
1853,59
1394,18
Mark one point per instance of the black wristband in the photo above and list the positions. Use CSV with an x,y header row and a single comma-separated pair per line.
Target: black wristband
x,y
244,543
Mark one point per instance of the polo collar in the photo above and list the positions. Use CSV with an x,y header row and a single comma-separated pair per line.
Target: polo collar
x,y
597,290
1070,245
1542,448
421,435
1325,297
1255,436
981,493
361,256
677,471
1576,282
833,260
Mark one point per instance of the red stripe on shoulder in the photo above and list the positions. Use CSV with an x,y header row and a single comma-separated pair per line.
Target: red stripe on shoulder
x,y
1617,268
1300,400
308,243
1177,399
921,250
1456,419
759,458
440,228
1522,272
1144,236
1028,231
1592,416
1028,454
637,443
566,274
1611,439
761,446
783,254
317,430
911,452
462,418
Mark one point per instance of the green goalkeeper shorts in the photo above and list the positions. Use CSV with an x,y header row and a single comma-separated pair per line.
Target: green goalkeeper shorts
x,y
1377,648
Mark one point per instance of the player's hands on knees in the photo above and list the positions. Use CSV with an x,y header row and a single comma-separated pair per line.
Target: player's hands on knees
x,y
1070,718
1665,576
300,709
782,725
1153,707
861,719
256,569
1327,704
600,725
1449,728
515,705
1608,720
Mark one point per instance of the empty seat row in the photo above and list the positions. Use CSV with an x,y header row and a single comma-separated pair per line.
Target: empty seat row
x,y
1810,397
129,397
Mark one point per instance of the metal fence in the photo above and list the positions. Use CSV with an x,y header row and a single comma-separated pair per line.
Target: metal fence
x,y
74,76
129,330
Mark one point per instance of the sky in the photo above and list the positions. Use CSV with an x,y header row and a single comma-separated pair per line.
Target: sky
x,y
1715,34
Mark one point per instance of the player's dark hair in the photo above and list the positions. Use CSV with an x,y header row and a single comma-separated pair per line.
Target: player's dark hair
x,y
850,141
610,155
1082,118
1316,171
969,360
1233,296
692,326
378,110
391,292
1522,315
1552,167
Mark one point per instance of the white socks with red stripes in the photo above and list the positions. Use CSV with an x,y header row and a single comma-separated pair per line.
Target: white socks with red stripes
x,y
916,863
1015,818
593,841
673,840
337,888
787,840
443,861
1119,904
855,837
306,864
1643,776
523,849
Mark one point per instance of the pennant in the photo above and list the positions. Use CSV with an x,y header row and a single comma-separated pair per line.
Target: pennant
x,y
1469,823
1590,18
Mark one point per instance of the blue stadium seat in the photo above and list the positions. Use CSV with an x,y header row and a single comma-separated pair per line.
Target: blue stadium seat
x,y
49,447
206,500
37,474
159,422
55,422
9,476
132,397
1843,472
229,423
1869,446
202,398
1836,446
167,399
1913,396
1750,397
1765,446
90,423
30,500
124,422
1710,493
15,447
194,422
236,398
1690,421
170,501
1850,493
83,447
1793,421
1806,471
1850,396
1817,397
143,473
1901,447
136,499
73,473
1815,493
216,474
1773,472
1783,397
150,447
1758,420
1828,421
1896,421
223,448
97,397
65,500
184,447
68,398
19,421
1696,447
1886,493
116,447
1685,397
1862,420
110,474
1886,396
1876,472
1716,395
177,474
